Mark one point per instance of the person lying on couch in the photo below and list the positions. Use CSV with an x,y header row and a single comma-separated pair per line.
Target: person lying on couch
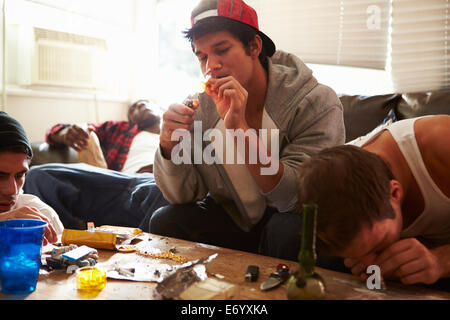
x,y
128,146
385,201
15,156
124,193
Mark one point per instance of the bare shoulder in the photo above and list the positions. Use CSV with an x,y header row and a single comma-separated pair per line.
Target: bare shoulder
x,y
433,133
433,139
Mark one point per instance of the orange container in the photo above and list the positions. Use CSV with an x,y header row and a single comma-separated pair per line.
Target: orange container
x,y
98,240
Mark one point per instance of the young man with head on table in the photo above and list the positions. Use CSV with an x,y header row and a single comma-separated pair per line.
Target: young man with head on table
x,y
251,87
15,157
386,200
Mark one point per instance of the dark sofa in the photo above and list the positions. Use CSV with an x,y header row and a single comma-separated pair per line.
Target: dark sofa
x,y
44,153
361,115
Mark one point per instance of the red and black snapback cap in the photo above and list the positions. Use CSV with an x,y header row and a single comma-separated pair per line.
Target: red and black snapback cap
x,y
236,10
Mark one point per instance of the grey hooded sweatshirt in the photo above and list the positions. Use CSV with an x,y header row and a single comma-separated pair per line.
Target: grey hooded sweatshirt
x,y
308,117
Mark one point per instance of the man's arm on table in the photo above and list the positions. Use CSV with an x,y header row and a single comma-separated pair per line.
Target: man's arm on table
x,y
412,262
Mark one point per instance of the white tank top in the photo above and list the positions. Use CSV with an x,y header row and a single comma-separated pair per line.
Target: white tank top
x,y
433,223
142,151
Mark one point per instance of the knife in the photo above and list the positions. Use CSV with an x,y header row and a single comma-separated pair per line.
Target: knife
x,y
276,278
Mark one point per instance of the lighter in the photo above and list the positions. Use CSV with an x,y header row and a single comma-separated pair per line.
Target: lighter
x,y
252,273
191,102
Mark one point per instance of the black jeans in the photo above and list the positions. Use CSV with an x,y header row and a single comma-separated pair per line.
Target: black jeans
x,y
276,235
206,222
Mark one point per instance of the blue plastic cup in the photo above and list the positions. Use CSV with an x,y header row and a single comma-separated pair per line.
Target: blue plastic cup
x,y
20,254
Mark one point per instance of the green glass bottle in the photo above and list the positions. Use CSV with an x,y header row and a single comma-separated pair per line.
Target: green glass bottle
x,y
305,283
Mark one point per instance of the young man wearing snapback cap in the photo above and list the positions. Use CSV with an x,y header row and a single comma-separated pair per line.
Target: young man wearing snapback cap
x,y
15,156
252,87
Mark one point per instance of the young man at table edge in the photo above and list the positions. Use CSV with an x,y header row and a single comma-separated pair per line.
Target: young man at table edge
x,y
15,157
386,200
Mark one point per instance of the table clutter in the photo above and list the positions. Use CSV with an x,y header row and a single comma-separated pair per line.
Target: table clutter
x,y
155,267
182,279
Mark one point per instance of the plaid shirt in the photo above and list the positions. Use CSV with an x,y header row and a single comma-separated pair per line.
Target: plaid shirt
x,y
115,139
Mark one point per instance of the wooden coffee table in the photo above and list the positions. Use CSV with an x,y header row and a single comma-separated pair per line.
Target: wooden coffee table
x,y
229,266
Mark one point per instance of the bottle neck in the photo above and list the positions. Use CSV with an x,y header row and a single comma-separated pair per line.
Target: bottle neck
x,y
307,255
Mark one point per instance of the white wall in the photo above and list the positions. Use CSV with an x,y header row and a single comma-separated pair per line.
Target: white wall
x,y
123,22
38,114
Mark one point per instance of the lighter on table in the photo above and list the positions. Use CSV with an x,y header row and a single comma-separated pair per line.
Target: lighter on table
x,y
252,273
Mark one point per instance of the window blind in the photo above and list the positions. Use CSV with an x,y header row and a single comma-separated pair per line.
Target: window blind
x,y
336,32
420,49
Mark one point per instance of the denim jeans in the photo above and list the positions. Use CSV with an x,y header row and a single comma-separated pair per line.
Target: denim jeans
x,y
81,193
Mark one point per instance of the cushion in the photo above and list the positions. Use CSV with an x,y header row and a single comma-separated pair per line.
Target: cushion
x,y
364,113
44,153
390,118
426,103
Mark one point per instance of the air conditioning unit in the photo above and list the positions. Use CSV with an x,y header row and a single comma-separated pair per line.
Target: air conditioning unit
x,y
54,58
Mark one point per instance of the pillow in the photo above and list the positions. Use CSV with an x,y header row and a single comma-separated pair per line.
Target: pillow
x,y
390,119
362,114
414,105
